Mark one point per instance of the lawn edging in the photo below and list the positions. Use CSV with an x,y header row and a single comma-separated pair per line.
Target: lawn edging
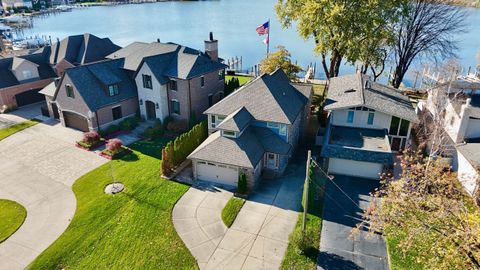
x,y
231,210
303,248
8,131
12,217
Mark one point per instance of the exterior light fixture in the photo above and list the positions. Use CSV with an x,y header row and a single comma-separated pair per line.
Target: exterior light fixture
x,y
156,105
141,102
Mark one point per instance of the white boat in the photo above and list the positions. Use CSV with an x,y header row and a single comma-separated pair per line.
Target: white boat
x,y
4,27
15,19
29,43
64,8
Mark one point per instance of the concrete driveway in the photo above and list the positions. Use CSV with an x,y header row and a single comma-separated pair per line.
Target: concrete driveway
x,y
24,113
338,249
257,239
37,169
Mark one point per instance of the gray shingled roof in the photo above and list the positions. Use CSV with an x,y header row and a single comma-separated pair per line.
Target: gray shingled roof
x,y
82,49
270,97
245,151
236,121
40,58
358,90
167,60
271,142
471,151
92,81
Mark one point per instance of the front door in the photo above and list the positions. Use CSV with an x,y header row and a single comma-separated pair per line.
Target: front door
x,y
151,114
271,160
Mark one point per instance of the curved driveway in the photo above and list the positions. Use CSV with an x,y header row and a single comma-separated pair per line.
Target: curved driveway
x,y
37,169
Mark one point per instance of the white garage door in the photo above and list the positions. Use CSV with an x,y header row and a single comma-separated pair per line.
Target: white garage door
x,y
217,173
354,168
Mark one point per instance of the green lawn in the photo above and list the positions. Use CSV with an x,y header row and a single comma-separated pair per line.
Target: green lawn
x,y
12,216
5,132
129,230
151,148
241,79
294,259
231,209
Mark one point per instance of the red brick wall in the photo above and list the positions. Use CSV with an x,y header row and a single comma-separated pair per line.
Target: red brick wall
x,y
7,95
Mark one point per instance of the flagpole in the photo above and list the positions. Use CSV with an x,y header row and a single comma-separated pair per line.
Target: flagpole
x,y
268,37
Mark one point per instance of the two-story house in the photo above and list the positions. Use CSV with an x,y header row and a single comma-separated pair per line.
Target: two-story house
x,y
254,129
457,101
174,80
368,122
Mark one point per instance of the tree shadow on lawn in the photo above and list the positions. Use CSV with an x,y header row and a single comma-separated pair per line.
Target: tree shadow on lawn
x,y
130,157
332,262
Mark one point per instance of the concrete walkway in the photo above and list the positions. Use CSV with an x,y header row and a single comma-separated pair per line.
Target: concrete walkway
x,y
259,236
24,113
37,169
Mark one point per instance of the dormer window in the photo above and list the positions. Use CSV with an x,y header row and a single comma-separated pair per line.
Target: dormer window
x,y
113,90
69,91
27,74
228,133
147,81
173,85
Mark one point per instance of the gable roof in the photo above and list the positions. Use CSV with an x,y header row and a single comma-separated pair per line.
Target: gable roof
x,y
40,58
358,90
269,98
92,81
236,121
167,60
82,49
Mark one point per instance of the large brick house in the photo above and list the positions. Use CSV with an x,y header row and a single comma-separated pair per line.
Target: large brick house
x,y
22,77
158,79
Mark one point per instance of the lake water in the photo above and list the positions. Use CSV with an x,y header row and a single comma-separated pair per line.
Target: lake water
x,y
233,23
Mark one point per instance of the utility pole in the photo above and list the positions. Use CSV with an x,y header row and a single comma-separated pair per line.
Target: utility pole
x,y
306,191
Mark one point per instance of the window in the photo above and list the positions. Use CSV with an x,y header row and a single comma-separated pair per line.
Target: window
x,y
394,124
173,85
221,75
69,90
202,81
27,74
147,81
210,100
113,90
175,106
404,128
220,118
272,125
212,119
117,113
350,116
227,133
283,129
371,116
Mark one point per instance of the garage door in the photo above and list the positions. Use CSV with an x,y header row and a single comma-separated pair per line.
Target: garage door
x,y
221,174
75,121
354,168
29,97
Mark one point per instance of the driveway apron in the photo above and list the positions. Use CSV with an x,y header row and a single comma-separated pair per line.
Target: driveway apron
x,y
37,169
339,249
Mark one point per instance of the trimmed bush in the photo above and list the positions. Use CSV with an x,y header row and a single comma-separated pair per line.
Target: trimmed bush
x,y
91,137
156,131
178,126
242,184
111,129
128,124
114,145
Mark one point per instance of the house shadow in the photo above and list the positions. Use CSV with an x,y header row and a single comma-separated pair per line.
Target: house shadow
x,y
130,157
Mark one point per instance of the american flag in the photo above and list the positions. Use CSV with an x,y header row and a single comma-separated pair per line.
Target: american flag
x,y
263,29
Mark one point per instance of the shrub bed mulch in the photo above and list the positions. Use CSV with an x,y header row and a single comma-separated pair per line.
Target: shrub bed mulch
x,y
85,146
108,155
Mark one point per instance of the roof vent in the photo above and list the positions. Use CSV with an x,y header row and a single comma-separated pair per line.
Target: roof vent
x,y
350,91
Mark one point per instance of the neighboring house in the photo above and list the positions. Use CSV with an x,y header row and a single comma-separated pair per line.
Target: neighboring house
x,y
174,80
459,100
255,129
368,122
17,4
93,96
80,50
22,77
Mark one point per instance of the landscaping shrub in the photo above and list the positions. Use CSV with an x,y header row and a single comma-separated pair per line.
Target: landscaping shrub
x,y
128,124
167,121
156,131
242,183
177,126
91,137
177,151
114,146
111,129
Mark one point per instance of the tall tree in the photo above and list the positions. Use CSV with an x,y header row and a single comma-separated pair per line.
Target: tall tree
x,y
341,28
427,29
280,59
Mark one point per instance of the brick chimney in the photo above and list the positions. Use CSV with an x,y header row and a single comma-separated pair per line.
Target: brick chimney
x,y
211,47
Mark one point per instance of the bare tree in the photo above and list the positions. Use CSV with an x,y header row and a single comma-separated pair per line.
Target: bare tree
x,y
426,30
